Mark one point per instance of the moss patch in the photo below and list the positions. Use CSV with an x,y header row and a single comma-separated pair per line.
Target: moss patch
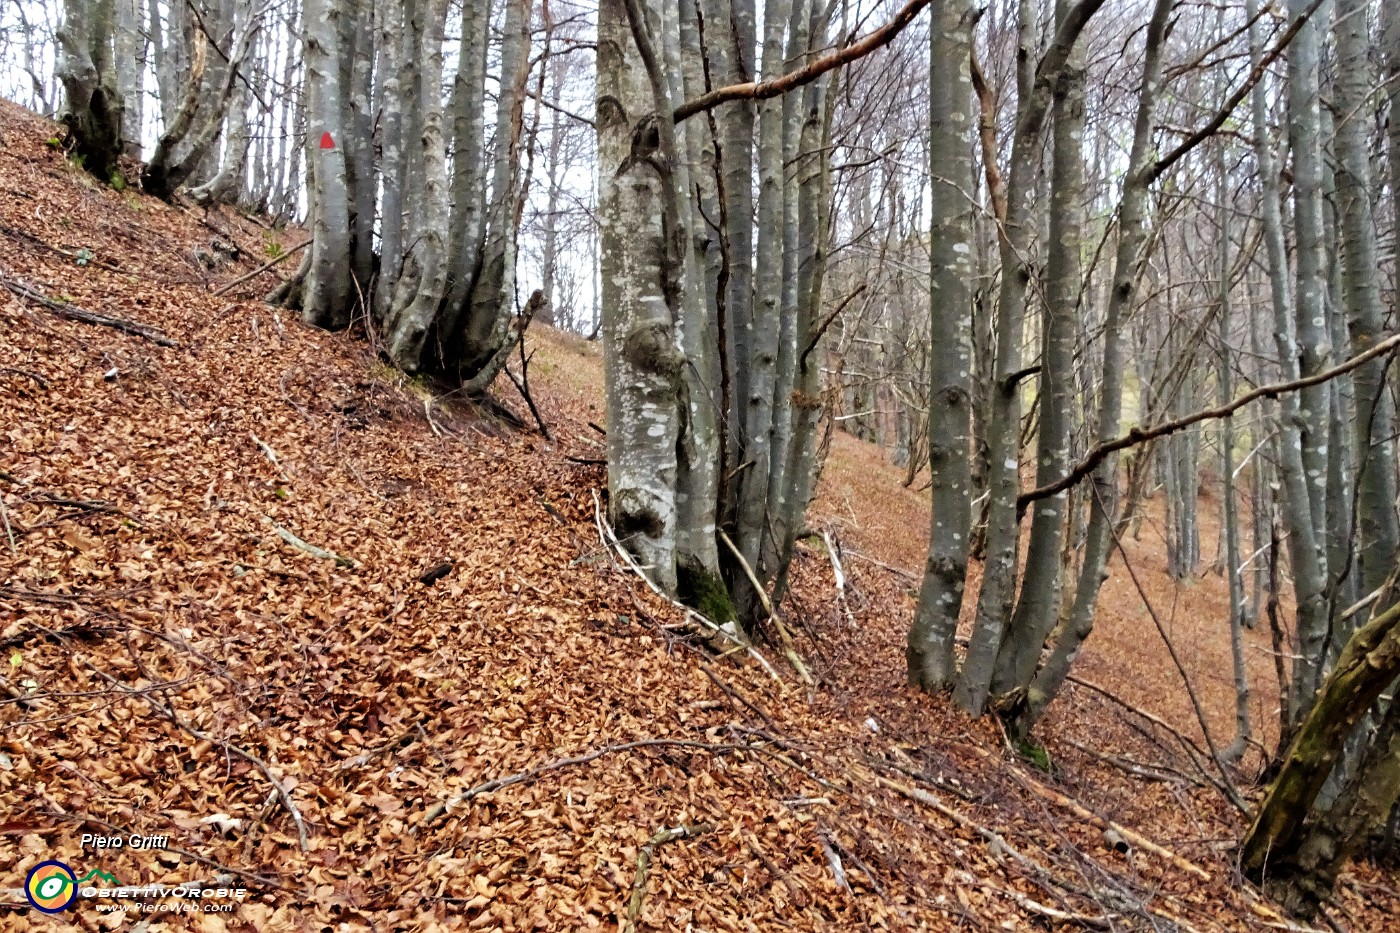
x,y
704,592
1035,754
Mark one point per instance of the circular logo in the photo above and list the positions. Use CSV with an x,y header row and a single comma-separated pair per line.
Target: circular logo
x,y
51,887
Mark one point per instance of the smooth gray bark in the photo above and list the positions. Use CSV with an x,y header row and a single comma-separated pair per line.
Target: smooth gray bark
x,y
1313,337
418,295
328,294
1229,506
1035,83
1038,608
467,227
1374,418
485,328
1069,636
93,108
1305,555
929,653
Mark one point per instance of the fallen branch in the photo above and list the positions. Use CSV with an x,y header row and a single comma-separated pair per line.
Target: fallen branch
x,y
522,385
282,793
1084,813
1144,771
530,774
644,857
840,574
834,860
788,650
38,379
225,289
897,571
74,313
311,549
778,874
9,532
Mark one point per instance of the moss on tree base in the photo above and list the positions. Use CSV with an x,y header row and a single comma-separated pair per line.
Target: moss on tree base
x,y
704,592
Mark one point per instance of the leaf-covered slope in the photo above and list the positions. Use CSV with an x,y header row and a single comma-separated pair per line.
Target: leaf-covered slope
x,y
184,655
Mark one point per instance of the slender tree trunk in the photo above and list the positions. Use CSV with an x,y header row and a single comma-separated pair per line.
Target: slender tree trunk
x,y
930,648
484,335
1038,608
996,599
1314,340
390,25
418,296
468,165
765,322
1375,411
1069,636
699,581
995,602
1229,506
130,53
1305,554
328,295
813,239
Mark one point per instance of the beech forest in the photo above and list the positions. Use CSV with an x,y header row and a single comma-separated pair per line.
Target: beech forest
x,y
699,465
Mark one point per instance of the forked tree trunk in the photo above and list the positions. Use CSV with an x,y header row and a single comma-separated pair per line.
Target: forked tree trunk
x,y
1035,84
1278,838
1069,636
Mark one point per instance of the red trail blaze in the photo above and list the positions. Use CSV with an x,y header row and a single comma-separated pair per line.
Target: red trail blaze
x,y
326,141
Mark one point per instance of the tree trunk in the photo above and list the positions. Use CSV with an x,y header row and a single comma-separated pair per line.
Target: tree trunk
x,y
1374,420
467,226
93,108
1035,85
1314,340
1305,554
1038,608
327,299
484,333
418,295
642,361
930,647
1070,634
1367,665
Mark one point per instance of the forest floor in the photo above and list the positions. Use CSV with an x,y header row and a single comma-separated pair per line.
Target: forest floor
x,y
213,629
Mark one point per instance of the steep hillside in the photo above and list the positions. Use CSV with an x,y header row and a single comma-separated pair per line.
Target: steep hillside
x,y
215,629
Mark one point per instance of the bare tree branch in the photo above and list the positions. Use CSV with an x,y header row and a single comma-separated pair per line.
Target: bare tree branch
x,y
1139,435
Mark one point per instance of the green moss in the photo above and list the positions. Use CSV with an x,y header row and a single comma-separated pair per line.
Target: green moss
x,y
117,181
1035,754
704,592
